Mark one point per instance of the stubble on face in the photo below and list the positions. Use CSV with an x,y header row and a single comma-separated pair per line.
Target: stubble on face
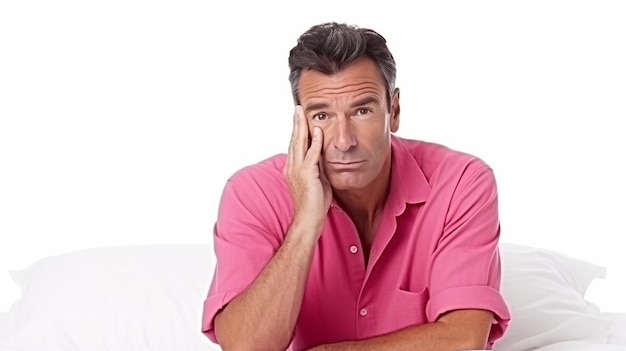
x,y
355,123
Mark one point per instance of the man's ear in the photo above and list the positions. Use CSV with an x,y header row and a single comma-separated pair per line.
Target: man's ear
x,y
394,121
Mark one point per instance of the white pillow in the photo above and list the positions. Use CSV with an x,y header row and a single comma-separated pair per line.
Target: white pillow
x,y
113,299
545,292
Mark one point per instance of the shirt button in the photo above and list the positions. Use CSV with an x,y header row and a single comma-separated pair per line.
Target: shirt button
x,y
354,249
363,312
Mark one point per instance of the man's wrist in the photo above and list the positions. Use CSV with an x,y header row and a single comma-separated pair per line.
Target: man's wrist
x,y
305,228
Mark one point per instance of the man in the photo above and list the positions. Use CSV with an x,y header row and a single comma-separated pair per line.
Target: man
x,y
357,239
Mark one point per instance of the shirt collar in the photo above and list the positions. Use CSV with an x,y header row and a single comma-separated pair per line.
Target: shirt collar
x,y
408,183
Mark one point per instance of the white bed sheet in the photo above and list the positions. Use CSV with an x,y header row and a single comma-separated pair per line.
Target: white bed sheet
x,y
616,339
4,322
582,346
617,334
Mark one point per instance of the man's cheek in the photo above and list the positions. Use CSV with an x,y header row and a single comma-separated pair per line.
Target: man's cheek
x,y
325,147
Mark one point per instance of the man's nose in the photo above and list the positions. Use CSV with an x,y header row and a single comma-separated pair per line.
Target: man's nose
x,y
345,139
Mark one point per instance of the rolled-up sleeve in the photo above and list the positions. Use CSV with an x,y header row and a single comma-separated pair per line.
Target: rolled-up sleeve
x,y
466,266
247,234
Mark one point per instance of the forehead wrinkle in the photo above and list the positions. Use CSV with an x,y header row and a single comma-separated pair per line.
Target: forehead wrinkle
x,y
324,93
340,88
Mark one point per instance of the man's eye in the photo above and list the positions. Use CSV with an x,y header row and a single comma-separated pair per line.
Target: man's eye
x,y
320,117
362,111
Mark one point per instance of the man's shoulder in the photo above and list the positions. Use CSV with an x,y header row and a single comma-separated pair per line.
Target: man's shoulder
x,y
429,152
266,169
440,163
260,185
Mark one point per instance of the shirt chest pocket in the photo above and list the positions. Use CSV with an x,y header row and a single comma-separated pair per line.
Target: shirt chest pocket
x,y
410,307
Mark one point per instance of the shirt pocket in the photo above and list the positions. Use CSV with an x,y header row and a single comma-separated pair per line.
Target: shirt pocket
x,y
410,307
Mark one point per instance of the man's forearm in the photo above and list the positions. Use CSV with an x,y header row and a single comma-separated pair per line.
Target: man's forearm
x,y
264,315
459,330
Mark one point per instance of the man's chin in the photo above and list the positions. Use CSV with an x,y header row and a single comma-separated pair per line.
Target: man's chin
x,y
345,183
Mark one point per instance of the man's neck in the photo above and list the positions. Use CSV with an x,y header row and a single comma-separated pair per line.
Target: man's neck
x,y
365,206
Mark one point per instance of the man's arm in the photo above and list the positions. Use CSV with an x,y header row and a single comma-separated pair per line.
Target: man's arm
x,y
264,315
453,331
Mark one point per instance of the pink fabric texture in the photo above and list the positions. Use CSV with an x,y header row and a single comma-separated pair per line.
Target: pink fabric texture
x,y
436,248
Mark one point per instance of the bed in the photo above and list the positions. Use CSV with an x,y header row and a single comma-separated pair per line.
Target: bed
x,y
150,297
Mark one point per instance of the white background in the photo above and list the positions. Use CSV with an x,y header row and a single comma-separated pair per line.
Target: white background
x,y
121,120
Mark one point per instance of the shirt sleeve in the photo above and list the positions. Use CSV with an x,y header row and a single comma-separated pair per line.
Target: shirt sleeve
x,y
466,267
247,233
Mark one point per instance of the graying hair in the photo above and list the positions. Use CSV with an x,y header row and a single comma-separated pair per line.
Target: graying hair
x,y
328,47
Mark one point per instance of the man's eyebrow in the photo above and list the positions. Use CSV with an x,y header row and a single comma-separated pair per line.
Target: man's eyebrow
x,y
364,101
316,106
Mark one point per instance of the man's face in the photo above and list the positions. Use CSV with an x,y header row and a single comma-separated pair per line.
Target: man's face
x,y
350,108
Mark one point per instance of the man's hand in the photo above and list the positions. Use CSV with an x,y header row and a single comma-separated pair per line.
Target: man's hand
x,y
264,315
310,189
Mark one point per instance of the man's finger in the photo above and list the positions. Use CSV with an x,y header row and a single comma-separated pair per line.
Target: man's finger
x,y
294,136
315,150
302,135
299,137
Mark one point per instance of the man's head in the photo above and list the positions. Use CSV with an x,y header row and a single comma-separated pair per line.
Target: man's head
x,y
329,47
343,77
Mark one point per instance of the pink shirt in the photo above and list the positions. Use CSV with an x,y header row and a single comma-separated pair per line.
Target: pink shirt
x,y
436,248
